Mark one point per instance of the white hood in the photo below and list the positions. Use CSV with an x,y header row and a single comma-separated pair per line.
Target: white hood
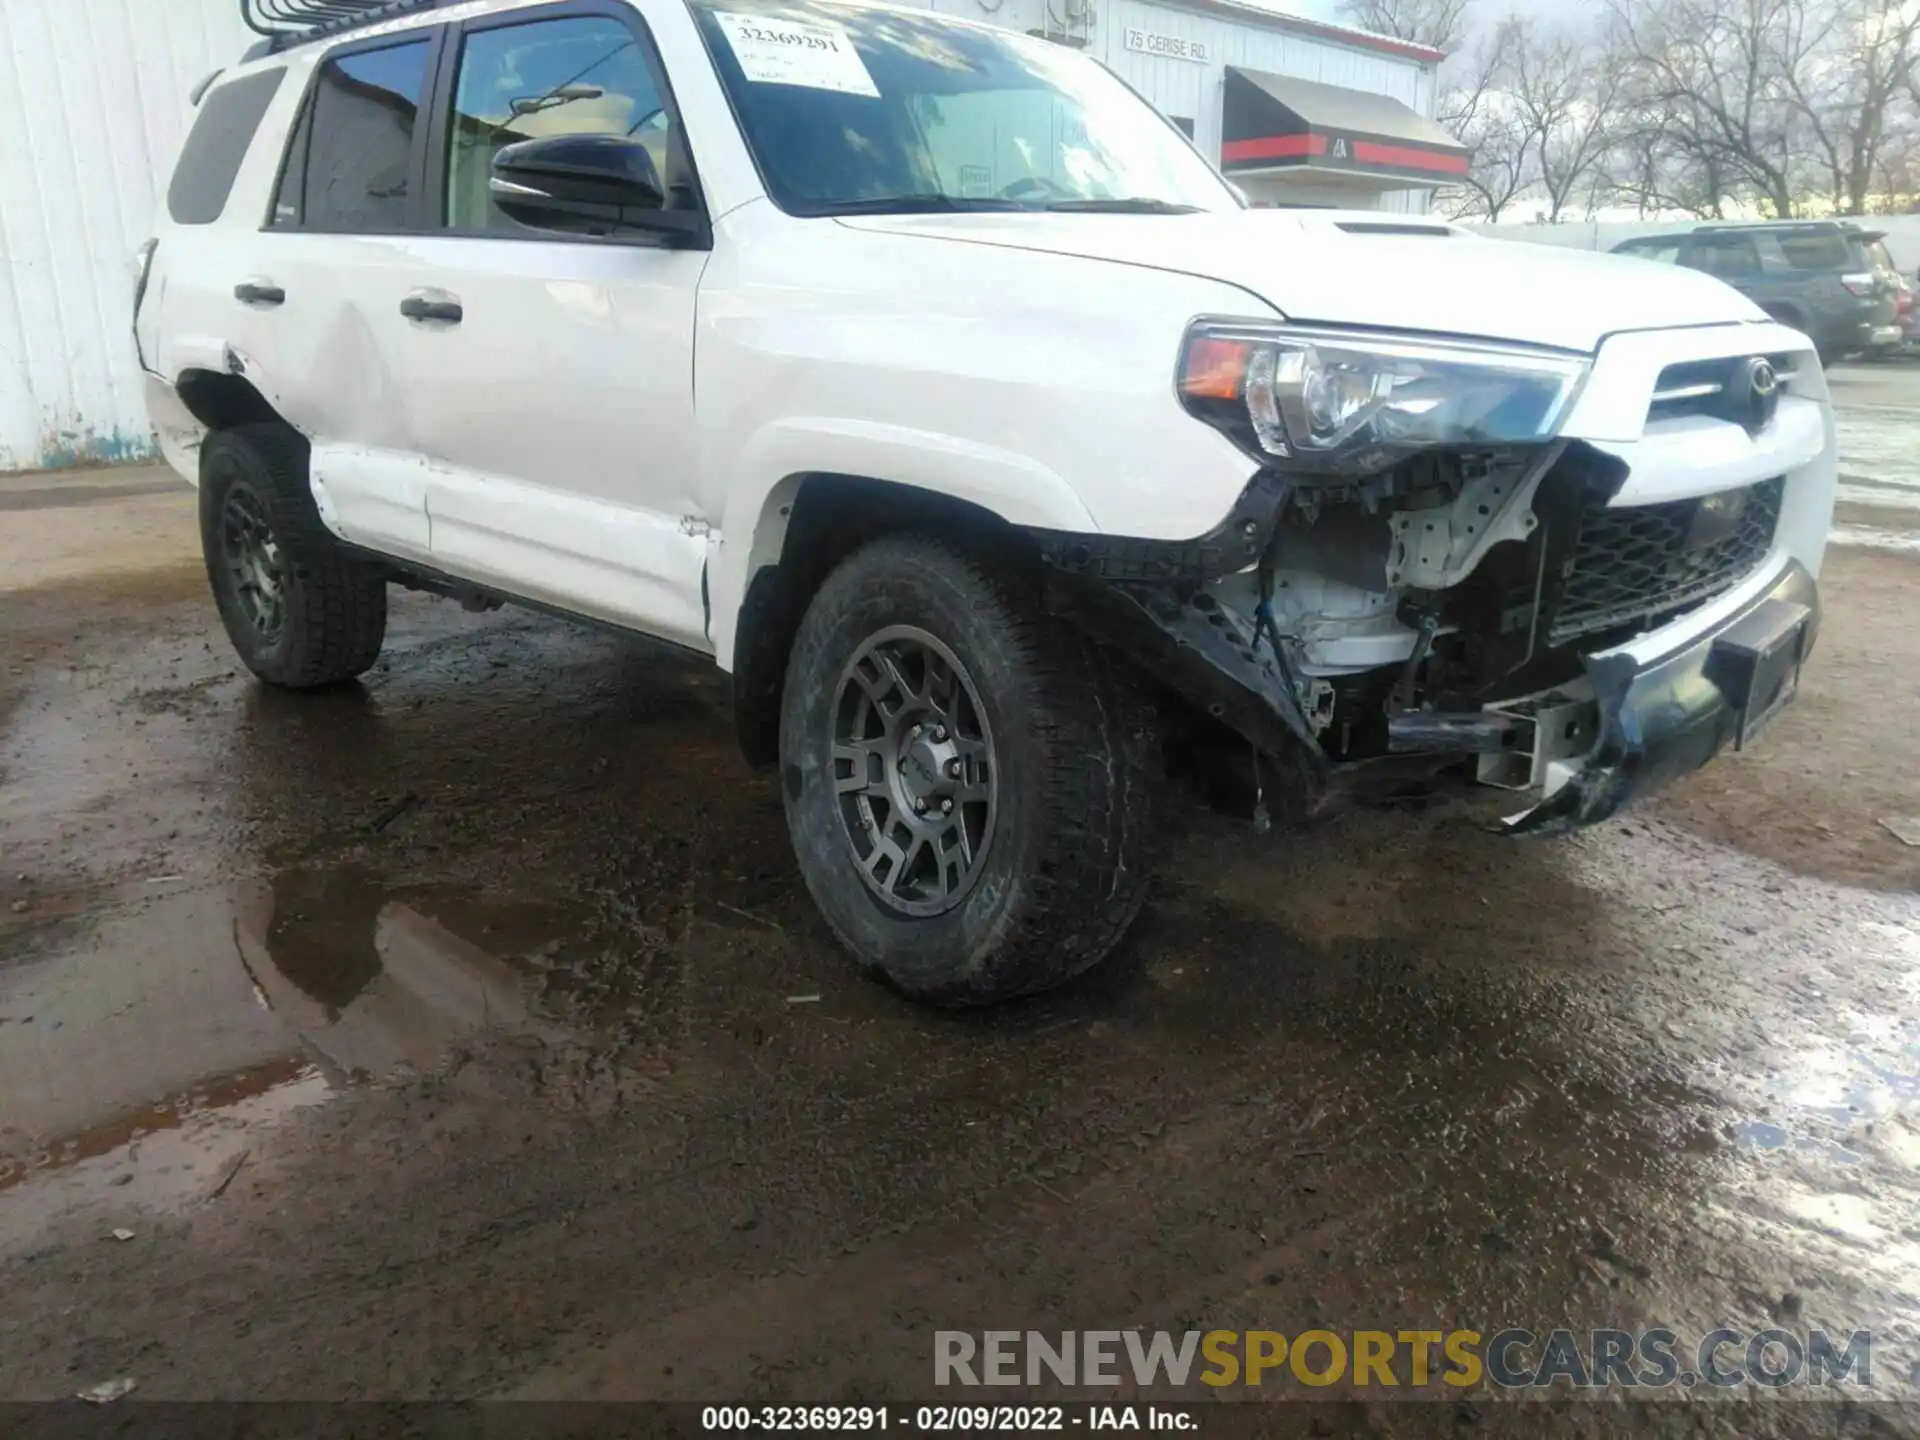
x,y
1311,270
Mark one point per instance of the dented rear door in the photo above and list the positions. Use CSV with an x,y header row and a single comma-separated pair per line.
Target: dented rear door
x,y
325,339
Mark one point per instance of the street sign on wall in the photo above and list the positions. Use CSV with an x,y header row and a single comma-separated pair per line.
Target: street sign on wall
x,y
1146,42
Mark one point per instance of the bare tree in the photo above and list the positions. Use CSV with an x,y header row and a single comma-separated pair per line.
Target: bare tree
x,y
1649,171
1475,105
1702,106
1499,168
1708,107
1705,79
1790,104
1564,86
1861,56
1439,23
1897,168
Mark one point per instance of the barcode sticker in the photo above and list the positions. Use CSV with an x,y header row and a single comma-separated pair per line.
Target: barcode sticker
x,y
789,52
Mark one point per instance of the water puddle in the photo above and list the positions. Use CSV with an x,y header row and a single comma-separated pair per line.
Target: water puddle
x,y
1851,1090
1852,1218
137,1064
1870,538
376,984
1864,490
1758,1135
182,1152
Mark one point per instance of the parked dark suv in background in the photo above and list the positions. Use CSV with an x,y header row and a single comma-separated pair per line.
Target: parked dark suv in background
x,y
1820,276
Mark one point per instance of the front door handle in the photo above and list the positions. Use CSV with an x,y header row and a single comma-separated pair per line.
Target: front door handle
x,y
259,292
433,306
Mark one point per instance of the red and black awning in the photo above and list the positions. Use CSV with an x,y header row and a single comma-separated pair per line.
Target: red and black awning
x,y
1277,123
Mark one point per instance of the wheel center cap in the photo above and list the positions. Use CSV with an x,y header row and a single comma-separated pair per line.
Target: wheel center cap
x,y
923,769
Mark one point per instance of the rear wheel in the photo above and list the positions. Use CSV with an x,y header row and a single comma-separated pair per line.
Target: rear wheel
x,y
969,785
300,608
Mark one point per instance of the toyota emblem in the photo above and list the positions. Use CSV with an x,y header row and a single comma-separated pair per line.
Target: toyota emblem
x,y
1763,393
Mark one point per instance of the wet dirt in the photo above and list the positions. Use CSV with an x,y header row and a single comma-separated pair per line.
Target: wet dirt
x,y
435,1038
1812,795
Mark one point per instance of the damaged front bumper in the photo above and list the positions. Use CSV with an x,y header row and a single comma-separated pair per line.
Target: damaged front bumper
x,y
1392,715
1658,720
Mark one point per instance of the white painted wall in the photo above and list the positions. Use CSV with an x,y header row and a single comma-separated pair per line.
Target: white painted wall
x,y
1903,235
93,108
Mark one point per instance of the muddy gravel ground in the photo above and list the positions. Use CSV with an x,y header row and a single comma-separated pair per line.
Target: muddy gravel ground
x,y
469,1034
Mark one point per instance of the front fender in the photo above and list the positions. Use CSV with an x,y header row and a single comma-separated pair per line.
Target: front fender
x,y
773,462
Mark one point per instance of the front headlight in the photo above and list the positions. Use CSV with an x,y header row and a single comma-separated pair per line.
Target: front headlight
x,y
1348,404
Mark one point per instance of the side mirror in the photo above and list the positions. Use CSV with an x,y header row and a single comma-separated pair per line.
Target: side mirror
x,y
584,185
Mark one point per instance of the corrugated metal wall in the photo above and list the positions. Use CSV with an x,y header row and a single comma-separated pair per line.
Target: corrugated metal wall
x,y
1182,87
93,107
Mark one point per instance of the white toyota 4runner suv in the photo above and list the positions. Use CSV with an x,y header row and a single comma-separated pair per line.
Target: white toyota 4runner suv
x,y
933,384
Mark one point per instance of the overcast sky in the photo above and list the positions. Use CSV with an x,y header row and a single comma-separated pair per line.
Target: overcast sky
x,y
1482,11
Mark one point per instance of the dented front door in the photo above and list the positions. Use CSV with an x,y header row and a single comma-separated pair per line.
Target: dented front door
x,y
550,377
556,417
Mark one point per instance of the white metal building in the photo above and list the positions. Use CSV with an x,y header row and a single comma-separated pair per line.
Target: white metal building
x,y
94,106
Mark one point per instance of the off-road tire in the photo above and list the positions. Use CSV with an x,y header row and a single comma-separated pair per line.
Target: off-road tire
x,y
335,602
1075,751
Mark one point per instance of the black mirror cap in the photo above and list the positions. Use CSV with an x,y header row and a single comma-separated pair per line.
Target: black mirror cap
x,y
585,184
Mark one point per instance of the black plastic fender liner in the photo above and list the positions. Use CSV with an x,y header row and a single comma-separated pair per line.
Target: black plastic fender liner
x,y
1149,600
1183,638
1235,544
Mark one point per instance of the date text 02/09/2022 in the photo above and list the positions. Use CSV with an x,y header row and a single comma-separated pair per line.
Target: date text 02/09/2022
x,y
947,1419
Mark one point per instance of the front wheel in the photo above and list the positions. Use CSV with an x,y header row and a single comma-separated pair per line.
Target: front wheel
x,y
969,784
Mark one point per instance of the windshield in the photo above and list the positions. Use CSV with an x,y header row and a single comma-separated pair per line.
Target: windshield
x,y
848,109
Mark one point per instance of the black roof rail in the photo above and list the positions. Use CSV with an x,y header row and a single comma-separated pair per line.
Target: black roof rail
x,y
287,23
1820,225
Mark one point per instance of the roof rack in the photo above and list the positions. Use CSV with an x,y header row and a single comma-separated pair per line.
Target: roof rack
x,y
294,22
1824,226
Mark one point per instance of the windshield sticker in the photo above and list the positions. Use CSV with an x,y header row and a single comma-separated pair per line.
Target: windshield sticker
x,y
788,52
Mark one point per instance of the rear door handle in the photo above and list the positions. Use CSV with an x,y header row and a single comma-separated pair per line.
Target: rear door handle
x,y
431,306
259,292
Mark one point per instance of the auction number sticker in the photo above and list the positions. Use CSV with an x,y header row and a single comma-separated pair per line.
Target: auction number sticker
x,y
790,52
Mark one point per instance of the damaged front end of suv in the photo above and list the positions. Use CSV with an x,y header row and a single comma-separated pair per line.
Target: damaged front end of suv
x,y
1429,578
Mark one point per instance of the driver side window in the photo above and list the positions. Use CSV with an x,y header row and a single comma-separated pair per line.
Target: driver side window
x,y
583,75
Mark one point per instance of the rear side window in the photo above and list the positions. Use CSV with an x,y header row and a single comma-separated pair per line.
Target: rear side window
x,y
228,119
1818,252
1662,252
1730,259
350,164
